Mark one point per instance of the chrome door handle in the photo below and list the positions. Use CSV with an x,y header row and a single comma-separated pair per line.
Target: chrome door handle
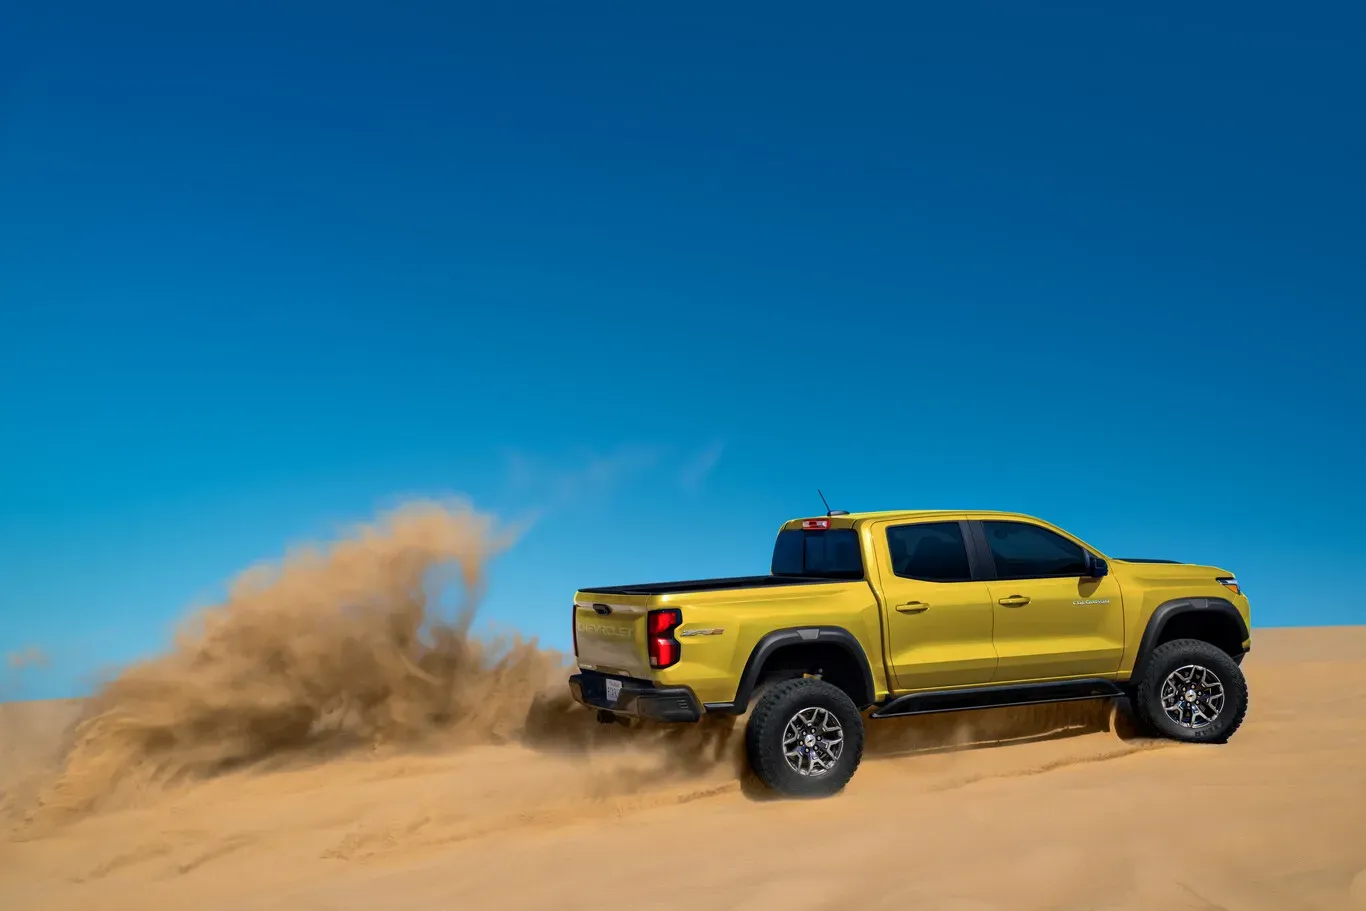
x,y
1014,601
913,607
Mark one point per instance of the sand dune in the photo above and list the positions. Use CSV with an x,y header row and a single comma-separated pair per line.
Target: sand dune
x,y
296,751
1065,813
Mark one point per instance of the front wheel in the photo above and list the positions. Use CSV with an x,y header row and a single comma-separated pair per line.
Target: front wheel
x,y
1191,691
805,738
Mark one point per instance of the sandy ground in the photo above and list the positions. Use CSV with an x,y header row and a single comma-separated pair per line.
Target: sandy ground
x,y
1064,812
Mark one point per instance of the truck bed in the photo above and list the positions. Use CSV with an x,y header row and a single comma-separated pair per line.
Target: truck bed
x,y
711,585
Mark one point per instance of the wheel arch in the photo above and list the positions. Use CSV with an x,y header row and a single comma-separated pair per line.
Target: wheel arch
x,y
787,645
1213,620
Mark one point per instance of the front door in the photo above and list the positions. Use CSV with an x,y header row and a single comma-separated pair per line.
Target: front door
x,y
939,620
1051,619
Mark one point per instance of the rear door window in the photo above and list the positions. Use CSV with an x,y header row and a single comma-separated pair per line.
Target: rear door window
x,y
929,552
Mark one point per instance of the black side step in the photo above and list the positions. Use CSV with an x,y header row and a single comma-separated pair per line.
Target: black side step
x,y
994,697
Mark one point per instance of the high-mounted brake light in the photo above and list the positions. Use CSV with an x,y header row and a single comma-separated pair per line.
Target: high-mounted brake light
x,y
808,524
664,649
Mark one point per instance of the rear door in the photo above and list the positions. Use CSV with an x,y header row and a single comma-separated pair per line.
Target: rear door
x,y
1050,619
939,620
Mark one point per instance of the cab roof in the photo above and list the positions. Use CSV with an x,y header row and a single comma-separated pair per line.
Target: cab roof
x,y
917,513
850,518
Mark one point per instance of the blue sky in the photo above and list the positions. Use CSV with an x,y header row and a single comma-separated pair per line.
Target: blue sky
x,y
665,270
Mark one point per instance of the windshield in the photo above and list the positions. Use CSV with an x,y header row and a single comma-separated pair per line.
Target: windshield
x,y
832,554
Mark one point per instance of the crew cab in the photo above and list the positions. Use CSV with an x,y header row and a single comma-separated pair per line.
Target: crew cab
x,y
878,614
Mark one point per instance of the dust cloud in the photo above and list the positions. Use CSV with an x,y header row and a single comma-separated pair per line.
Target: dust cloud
x,y
335,647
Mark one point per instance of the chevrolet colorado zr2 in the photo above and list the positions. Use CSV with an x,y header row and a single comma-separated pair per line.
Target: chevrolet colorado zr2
x,y
881,614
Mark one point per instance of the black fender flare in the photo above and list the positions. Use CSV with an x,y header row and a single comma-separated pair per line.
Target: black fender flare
x,y
796,636
1177,606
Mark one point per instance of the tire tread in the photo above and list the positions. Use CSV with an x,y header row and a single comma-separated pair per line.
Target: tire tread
x,y
763,738
1146,702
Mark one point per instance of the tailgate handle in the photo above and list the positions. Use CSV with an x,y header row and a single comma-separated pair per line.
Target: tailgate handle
x,y
602,610
1014,601
912,607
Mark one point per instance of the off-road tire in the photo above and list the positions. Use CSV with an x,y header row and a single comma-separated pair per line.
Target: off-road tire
x,y
768,723
1147,697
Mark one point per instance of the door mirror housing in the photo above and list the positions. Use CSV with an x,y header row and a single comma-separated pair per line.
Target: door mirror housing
x,y
1096,568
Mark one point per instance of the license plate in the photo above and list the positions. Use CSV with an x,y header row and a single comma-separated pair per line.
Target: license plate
x,y
613,690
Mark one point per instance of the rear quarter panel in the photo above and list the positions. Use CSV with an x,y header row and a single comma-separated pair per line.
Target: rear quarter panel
x,y
721,629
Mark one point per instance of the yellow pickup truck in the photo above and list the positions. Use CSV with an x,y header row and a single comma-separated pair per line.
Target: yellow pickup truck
x,y
882,614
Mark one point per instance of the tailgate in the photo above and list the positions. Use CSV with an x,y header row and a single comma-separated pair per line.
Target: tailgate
x,y
609,634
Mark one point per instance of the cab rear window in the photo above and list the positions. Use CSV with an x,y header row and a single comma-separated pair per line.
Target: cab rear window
x,y
826,554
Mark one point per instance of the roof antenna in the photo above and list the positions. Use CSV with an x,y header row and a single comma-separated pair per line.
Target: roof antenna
x,y
828,510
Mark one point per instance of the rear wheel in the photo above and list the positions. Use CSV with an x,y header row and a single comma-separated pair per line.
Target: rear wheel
x,y
1192,691
805,738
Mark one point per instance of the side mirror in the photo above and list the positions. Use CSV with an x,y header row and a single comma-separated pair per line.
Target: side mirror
x,y
1096,568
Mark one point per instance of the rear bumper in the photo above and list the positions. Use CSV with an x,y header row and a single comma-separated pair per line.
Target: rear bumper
x,y
637,699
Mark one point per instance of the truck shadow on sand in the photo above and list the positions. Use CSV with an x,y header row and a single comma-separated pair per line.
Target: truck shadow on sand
x,y
987,728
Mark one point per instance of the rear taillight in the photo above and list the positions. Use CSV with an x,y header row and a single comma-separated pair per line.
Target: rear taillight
x,y
574,625
663,647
